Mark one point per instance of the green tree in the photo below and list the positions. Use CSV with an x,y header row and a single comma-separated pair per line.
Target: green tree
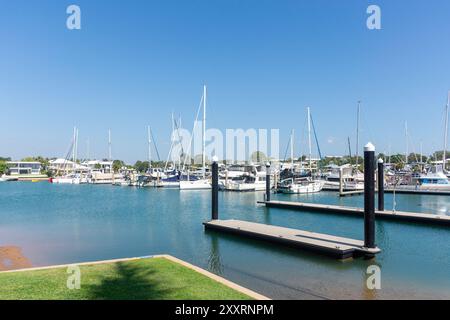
x,y
398,159
438,155
117,165
142,166
258,157
3,167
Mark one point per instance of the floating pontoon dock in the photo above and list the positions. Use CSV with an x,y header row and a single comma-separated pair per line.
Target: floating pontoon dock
x,y
419,191
337,247
391,215
400,191
351,193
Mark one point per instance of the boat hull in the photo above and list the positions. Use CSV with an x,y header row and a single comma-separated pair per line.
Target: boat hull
x,y
303,188
195,185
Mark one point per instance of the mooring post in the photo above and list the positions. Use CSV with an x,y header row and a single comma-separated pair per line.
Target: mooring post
x,y
380,185
268,181
215,189
369,196
341,182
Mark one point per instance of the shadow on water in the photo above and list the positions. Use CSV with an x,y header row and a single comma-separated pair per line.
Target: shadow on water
x,y
214,262
270,247
282,253
129,283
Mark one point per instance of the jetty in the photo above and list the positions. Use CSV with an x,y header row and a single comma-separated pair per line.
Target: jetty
x,y
400,191
336,247
418,191
359,212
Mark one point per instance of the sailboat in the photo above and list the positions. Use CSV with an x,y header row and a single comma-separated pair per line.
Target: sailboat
x,y
72,178
444,156
302,185
193,182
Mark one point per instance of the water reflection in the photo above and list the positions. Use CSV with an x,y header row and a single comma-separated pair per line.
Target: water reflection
x,y
214,261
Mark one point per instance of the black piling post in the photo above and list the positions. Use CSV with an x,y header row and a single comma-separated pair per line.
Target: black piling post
x,y
369,196
268,181
215,189
380,185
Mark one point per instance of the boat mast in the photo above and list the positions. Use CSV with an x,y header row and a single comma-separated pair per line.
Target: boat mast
x,y
406,137
109,145
204,133
444,156
309,139
73,144
88,150
421,153
389,153
292,149
358,111
74,147
149,147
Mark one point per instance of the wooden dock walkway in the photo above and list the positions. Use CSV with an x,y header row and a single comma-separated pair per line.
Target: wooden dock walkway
x,y
419,191
351,193
337,247
390,190
388,215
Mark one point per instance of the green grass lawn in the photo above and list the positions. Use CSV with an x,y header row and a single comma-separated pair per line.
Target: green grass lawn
x,y
153,278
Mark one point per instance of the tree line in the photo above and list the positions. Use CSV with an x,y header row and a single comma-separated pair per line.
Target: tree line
x,y
398,160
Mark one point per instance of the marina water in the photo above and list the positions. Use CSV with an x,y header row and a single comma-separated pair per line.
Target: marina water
x,y
59,224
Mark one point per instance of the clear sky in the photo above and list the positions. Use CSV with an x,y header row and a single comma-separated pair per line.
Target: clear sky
x,y
134,62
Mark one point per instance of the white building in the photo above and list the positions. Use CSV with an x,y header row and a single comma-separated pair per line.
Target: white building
x,y
65,166
99,166
24,168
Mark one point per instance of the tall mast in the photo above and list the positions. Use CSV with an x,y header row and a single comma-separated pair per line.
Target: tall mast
x,y
149,147
292,149
180,155
88,156
109,145
406,138
389,153
309,138
204,133
444,157
74,147
358,111
421,152
172,138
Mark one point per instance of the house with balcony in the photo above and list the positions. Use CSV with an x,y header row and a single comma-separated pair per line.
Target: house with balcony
x,y
24,168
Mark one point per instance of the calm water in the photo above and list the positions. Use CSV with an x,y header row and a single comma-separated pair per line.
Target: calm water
x,y
56,224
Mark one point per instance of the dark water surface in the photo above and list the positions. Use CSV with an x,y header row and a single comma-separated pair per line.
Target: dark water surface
x,y
58,224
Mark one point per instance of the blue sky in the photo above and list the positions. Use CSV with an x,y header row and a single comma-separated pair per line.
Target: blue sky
x,y
134,62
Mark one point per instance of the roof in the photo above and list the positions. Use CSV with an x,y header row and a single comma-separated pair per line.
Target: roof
x,y
22,162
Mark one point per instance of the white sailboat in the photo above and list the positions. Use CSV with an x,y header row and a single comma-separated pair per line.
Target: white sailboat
x,y
72,178
444,156
202,183
304,184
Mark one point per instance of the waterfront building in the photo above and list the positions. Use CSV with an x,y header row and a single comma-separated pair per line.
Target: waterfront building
x,y
64,166
17,168
99,166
